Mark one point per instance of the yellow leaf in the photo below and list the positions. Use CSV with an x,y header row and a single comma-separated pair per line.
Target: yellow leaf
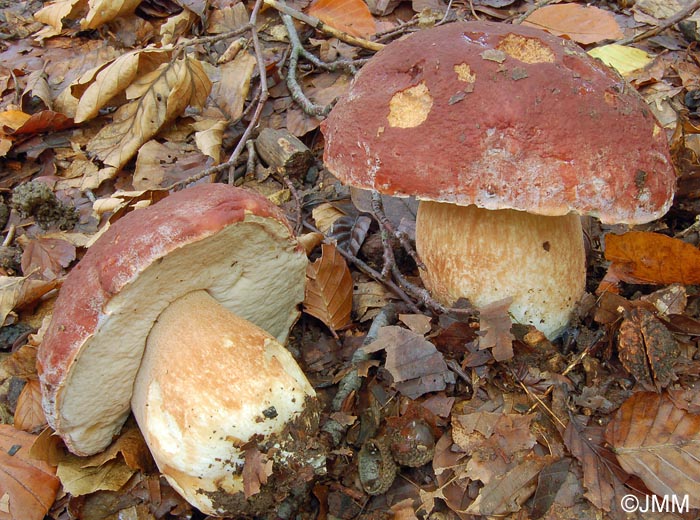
x,y
54,13
156,99
103,11
622,58
350,16
98,86
209,136
583,24
12,120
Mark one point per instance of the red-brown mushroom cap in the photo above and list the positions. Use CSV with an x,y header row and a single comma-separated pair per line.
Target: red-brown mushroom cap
x,y
232,243
501,116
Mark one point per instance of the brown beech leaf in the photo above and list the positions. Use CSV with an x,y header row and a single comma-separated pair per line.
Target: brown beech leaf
x,y
645,257
28,487
47,257
549,481
329,289
108,470
602,476
659,443
415,364
350,16
509,491
29,415
494,329
583,24
156,99
648,350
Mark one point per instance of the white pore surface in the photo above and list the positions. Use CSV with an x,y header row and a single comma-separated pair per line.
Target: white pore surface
x,y
251,267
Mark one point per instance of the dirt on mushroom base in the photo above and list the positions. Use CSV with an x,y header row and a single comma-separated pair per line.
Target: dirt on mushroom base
x,y
297,456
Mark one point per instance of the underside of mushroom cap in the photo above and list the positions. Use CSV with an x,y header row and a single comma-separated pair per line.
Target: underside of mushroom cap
x,y
232,243
503,117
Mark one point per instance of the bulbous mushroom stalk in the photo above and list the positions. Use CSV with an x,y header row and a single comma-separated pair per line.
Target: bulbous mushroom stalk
x,y
505,118
537,261
209,385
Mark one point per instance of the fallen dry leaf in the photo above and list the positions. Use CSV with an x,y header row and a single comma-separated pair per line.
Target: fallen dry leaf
x,y
602,476
583,24
17,292
414,363
54,13
509,491
648,350
350,16
27,487
156,99
659,443
329,289
231,90
645,257
98,86
103,11
29,415
108,470
46,258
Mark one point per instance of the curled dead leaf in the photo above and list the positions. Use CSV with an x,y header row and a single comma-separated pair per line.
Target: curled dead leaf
x,y
329,289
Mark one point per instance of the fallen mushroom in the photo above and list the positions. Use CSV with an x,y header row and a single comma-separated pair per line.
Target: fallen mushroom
x,y
188,302
507,134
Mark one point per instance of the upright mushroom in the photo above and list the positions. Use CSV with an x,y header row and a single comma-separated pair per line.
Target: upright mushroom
x,y
186,303
507,134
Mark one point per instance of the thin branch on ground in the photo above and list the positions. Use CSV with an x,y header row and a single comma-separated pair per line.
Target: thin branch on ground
x,y
401,29
262,73
666,24
319,25
447,13
297,204
531,10
380,215
308,106
259,99
252,157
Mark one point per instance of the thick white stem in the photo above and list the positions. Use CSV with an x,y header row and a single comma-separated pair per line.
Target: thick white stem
x,y
486,256
209,382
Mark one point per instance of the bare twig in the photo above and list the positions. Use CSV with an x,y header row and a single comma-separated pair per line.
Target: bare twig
x,y
319,25
390,34
297,204
667,23
532,9
263,90
308,106
378,210
252,157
